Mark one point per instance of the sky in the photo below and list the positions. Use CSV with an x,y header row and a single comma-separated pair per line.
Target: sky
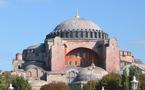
x,y
27,22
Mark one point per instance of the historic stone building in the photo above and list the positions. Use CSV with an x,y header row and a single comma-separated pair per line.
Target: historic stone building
x,y
76,51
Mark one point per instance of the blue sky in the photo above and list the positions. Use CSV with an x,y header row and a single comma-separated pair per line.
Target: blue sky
x,y
27,22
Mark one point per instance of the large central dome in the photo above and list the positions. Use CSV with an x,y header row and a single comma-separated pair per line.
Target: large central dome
x,y
77,23
77,28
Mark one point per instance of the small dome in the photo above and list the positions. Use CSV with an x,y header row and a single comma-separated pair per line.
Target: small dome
x,y
77,23
34,46
91,73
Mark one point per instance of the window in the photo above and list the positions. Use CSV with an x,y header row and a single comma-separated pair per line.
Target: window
x,y
91,34
86,34
84,55
99,35
76,34
71,75
61,34
70,62
66,34
71,34
76,63
81,34
102,35
95,35
19,67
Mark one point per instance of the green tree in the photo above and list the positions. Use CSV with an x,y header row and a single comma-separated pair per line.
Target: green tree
x,y
142,82
19,83
91,85
75,87
3,83
55,86
125,80
134,71
111,81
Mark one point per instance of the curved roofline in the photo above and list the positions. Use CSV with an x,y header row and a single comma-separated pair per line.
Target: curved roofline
x,y
75,20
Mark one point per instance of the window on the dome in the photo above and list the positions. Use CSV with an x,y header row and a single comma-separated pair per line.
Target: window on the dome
x,y
86,34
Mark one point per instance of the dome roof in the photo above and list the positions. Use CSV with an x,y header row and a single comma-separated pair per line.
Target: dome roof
x,y
77,28
77,23
91,73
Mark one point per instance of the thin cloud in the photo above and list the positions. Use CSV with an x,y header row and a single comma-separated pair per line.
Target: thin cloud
x,y
31,1
138,43
3,3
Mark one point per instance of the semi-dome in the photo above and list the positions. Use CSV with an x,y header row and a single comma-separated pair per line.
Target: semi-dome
x,y
91,73
77,23
78,28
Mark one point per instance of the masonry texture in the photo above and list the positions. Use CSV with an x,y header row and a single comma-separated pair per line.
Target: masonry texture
x,y
75,50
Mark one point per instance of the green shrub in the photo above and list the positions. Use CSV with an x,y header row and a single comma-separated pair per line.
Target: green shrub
x,y
55,86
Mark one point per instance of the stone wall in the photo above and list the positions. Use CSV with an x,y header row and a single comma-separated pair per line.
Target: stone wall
x,y
112,56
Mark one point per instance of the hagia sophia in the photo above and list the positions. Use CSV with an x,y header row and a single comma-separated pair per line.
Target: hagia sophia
x,y
76,51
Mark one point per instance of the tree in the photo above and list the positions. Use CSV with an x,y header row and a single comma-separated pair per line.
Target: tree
x,y
111,81
19,83
75,87
142,82
4,80
134,71
55,86
91,85
125,80
3,83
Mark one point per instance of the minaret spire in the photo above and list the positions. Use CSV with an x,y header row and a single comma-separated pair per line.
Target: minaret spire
x,y
77,14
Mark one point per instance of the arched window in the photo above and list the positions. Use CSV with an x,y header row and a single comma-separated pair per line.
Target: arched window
x,y
29,74
91,34
19,66
71,75
70,62
76,34
76,62
71,34
95,34
61,34
99,35
66,34
86,34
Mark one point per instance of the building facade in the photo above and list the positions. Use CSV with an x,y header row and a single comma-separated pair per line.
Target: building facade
x,y
76,51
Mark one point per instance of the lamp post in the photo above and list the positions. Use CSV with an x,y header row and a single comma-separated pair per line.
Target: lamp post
x,y
134,83
11,87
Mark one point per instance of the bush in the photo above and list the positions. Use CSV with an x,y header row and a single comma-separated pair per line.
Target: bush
x,y
19,83
91,85
55,86
111,82
3,83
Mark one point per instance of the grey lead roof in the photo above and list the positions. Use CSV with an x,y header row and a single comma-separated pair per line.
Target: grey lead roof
x,y
77,23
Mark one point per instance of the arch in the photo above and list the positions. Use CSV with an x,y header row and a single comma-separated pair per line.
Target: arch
x,y
71,74
29,74
19,66
82,57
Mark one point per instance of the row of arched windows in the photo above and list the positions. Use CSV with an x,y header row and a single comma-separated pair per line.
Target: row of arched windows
x,y
79,34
